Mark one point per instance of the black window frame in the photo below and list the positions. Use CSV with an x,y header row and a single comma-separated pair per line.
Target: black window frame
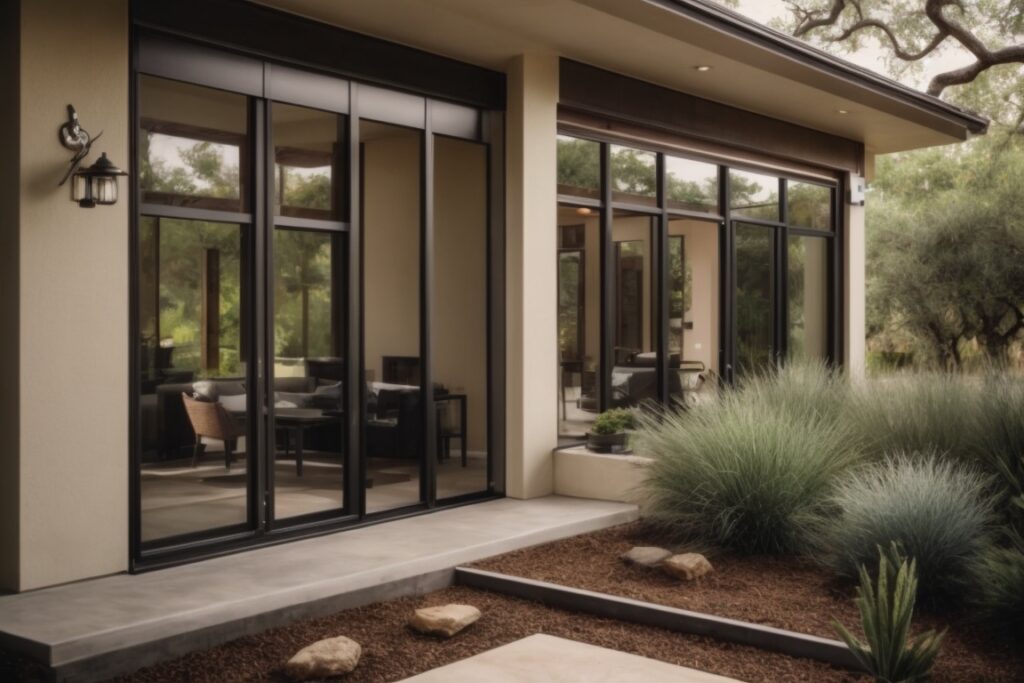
x,y
726,223
465,115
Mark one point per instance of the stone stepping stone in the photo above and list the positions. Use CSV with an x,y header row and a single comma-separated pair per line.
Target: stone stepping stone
x,y
324,658
687,566
445,620
646,556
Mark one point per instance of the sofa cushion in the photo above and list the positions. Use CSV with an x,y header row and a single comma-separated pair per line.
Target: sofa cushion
x,y
213,389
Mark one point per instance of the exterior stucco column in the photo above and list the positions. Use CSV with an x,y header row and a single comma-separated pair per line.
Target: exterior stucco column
x,y
854,290
531,274
72,300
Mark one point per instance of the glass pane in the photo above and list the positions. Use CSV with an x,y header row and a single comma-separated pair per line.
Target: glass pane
x,y
634,378
193,383
579,319
192,145
754,297
392,206
754,195
808,298
579,167
309,286
809,206
309,161
691,185
459,323
693,306
634,176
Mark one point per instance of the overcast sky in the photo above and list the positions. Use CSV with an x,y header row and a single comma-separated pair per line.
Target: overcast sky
x,y
870,56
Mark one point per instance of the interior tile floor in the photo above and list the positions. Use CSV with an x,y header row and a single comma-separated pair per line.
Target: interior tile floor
x,y
178,498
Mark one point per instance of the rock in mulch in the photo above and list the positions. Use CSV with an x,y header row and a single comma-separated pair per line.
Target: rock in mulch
x,y
646,556
328,657
445,621
688,566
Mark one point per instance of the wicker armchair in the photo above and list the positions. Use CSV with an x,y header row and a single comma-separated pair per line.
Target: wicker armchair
x,y
211,420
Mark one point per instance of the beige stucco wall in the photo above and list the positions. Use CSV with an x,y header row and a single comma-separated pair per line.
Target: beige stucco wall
x,y
854,290
531,274
73,300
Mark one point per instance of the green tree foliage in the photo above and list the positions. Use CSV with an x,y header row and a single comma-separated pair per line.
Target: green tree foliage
x,y
945,247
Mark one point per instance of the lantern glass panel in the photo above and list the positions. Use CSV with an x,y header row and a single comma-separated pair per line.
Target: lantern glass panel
x,y
105,189
79,187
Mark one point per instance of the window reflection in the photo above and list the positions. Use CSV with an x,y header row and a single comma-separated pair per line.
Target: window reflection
x,y
691,185
754,195
634,176
634,378
579,167
191,145
693,302
809,206
579,319
808,298
755,349
308,162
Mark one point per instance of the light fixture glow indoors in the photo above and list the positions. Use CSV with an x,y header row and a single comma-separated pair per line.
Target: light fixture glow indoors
x,y
702,68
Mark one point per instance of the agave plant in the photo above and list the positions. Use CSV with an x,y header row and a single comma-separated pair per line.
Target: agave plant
x,y
889,654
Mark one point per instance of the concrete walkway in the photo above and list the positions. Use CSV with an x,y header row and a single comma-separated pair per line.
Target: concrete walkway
x,y
98,628
557,660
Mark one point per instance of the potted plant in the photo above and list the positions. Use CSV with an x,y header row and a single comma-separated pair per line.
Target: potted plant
x,y
610,431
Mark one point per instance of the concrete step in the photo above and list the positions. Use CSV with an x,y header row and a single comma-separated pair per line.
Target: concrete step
x,y
99,628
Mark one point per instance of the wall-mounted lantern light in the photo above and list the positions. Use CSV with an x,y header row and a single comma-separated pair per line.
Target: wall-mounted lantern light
x,y
96,184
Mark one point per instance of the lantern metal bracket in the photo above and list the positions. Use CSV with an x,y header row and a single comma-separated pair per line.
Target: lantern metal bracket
x,y
77,139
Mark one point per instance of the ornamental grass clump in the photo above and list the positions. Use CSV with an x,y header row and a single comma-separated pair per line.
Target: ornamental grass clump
x,y
743,474
886,610
938,511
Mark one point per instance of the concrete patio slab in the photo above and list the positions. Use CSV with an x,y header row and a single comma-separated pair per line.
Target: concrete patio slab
x,y
94,629
558,660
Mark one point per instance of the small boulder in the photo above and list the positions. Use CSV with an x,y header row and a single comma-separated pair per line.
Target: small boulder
x,y
446,620
646,556
328,657
688,566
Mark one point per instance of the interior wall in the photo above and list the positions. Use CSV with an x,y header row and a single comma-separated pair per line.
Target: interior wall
x,y
73,317
10,65
391,243
700,248
638,229
459,325
531,274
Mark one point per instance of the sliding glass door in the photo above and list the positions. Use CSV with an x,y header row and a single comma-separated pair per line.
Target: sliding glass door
x,y
312,291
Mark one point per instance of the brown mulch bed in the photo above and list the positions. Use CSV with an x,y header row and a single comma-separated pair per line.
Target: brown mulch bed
x,y
784,592
392,652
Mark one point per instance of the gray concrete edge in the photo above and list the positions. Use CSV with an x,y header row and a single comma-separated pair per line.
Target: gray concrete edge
x,y
671,618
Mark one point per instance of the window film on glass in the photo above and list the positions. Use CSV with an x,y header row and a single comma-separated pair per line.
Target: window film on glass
x,y
754,195
634,377
693,308
579,319
193,144
634,176
392,219
809,205
691,185
193,380
309,162
459,316
579,167
808,298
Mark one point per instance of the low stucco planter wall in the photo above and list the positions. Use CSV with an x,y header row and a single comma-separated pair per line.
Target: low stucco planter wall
x,y
602,476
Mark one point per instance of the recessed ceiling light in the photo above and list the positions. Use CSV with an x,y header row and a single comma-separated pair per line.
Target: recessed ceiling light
x,y
702,67
583,211
842,111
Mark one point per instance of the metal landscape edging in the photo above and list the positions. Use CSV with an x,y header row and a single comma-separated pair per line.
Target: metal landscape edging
x,y
671,618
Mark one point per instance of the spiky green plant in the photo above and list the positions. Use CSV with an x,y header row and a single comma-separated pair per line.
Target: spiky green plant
x,y
886,610
997,593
